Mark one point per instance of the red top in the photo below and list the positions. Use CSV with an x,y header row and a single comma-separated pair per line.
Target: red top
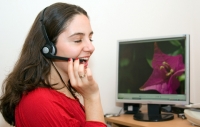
x,y
44,107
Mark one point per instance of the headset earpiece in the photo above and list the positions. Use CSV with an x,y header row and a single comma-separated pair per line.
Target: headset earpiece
x,y
49,49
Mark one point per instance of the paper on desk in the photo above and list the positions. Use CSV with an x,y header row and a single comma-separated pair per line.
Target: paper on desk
x,y
193,105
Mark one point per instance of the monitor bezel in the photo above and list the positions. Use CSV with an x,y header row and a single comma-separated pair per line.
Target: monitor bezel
x,y
187,69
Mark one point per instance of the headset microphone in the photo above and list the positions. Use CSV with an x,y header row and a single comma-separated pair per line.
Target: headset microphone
x,y
49,49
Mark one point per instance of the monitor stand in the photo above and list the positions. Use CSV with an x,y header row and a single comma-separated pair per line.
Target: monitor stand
x,y
154,114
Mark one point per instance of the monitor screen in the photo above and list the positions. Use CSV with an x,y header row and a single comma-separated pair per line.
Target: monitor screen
x,y
153,70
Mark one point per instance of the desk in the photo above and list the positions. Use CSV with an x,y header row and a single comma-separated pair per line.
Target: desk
x,y
128,121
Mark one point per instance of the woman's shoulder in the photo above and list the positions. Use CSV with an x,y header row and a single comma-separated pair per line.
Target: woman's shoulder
x,y
45,96
41,95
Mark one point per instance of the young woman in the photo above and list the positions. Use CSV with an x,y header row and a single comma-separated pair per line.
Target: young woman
x,y
52,71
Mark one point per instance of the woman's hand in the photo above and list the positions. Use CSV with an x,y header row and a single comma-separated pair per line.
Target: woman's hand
x,y
82,80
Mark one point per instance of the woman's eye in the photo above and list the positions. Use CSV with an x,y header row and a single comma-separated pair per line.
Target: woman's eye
x,y
78,41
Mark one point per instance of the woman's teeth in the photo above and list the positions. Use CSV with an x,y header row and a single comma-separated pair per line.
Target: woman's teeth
x,y
83,60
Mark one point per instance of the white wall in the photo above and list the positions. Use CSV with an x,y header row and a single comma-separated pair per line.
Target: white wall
x,y
111,20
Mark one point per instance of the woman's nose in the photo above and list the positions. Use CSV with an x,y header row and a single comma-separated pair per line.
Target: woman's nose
x,y
88,46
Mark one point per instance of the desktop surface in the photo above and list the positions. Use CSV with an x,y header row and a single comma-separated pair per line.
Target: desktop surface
x,y
127,120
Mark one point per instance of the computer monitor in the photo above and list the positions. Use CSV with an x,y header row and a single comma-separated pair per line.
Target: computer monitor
x,y
154,71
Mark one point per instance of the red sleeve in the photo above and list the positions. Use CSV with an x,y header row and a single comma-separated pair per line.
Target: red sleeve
x,y
44,110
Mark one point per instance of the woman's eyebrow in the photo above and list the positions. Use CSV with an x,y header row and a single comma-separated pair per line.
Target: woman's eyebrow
x,y
76,34
91,33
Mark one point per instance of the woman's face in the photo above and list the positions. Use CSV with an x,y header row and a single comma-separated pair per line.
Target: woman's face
x,y
75,41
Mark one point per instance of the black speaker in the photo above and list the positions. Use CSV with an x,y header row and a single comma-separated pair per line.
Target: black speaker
x,y
130,108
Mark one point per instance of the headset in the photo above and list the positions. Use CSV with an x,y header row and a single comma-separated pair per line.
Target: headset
x,y
49,49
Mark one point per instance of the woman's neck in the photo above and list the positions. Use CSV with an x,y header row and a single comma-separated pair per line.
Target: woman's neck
x,y
60,80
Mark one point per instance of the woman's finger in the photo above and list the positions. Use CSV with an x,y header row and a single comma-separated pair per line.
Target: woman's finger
x,y
70,68
89,75
83,74
81,71
76,72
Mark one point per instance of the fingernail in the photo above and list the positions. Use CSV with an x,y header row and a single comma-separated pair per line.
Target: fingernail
x,y
76,58
69,59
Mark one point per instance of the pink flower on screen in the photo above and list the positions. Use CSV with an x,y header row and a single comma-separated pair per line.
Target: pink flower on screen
x,y
166,69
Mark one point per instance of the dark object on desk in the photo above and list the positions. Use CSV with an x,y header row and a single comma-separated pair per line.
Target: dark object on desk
x,y
174,109
154,114
131,108
182,116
